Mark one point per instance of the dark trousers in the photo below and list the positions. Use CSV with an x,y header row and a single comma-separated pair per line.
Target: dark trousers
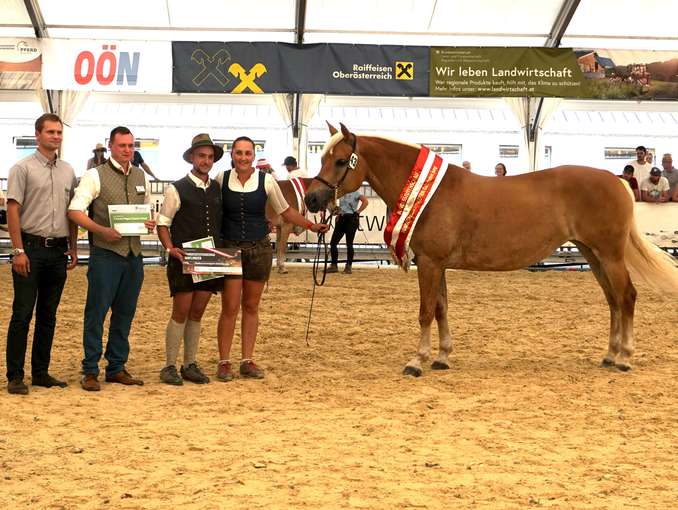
x,y
43,286
347,224
113,283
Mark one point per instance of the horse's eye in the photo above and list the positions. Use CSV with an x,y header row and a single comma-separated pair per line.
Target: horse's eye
x,y
342,162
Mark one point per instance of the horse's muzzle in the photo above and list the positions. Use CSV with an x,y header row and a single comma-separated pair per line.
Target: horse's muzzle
x,y
317,200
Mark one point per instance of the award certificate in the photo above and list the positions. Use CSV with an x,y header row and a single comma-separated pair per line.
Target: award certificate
x,y
204,262
128,219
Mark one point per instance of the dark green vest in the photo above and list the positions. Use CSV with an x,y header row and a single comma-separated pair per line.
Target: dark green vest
x,y
117,188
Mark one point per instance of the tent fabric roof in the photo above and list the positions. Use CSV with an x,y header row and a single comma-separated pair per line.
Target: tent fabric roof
x,y
596,24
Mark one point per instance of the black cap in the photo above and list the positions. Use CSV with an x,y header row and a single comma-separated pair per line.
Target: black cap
x,y
290,160
655,171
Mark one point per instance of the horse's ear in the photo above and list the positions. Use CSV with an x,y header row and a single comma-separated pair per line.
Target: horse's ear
x,y
332,129
344,130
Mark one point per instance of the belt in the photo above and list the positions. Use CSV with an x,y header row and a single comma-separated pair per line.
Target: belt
x,y
34,241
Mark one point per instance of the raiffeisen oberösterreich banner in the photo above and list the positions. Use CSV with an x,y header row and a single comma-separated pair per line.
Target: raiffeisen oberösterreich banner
x,y
20,64
106,65
264,67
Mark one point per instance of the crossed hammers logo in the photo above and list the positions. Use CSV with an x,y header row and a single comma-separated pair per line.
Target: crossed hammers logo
x,y
247,78
211,66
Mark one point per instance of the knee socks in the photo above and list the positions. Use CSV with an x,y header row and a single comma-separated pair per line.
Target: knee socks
x,y
191,341
173,334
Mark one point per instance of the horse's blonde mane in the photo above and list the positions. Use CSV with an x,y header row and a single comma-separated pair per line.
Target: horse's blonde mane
x,y
337,137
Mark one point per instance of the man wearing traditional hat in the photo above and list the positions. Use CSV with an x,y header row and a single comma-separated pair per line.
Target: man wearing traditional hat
x,y
293,170
99,157
191,210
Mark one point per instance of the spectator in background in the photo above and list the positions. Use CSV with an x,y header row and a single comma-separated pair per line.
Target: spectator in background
x,y
500,170
348,221
293,169
655,188
627,175
649,158
139,162
265,167
671,174
99,157
641,168
466,165
3,212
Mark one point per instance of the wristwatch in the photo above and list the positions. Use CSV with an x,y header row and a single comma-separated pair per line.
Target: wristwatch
x,y
17,251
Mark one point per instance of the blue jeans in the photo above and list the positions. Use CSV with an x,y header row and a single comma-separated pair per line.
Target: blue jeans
x,y
43,286
114,283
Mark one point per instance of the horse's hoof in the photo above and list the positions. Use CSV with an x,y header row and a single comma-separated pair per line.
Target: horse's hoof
x,y
623,367
440,365
606,363
413,371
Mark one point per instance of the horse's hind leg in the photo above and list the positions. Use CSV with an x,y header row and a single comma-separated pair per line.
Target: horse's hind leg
x,y
625,294
614,344
429,283
281,236
613,276
445,346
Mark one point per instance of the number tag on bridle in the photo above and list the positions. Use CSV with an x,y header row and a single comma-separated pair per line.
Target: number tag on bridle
x,y
353,161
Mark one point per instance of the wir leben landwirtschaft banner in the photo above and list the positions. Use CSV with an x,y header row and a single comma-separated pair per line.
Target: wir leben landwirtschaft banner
x,y
530,72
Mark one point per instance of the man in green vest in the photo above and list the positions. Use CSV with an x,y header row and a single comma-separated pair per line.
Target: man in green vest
x,y
116,270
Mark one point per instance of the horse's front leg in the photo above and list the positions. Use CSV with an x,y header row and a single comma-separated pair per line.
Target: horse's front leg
x,y
429,275
445,340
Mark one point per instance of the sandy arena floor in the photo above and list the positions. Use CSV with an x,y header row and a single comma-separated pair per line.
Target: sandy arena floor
x,y
524,419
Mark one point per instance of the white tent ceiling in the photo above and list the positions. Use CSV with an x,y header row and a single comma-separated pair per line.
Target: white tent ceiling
x,y
613,24
649,24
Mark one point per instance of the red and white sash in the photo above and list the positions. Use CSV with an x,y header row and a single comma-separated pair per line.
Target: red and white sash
x,y
300,192
422,183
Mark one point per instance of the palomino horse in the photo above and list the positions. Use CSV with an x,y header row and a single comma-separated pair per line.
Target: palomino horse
x,y
284,229
501,224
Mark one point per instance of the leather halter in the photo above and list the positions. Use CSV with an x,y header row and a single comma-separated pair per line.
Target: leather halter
x,y
351,164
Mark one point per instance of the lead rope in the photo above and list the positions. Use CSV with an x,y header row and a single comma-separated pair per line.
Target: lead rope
x,y
316,263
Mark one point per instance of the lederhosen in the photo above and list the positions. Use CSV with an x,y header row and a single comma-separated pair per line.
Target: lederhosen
x,y
245,227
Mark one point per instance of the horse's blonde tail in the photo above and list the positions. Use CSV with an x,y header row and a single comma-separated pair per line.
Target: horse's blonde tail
x,y
649,264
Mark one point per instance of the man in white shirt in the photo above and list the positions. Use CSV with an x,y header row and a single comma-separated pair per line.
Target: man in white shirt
x,y
641,168
293,170
670,173
191,210
655,188
116,268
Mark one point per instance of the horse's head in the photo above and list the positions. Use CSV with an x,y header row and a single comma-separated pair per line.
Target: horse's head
x,y
340,171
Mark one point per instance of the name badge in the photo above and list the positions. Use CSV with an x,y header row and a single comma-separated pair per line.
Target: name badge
x,y
141,189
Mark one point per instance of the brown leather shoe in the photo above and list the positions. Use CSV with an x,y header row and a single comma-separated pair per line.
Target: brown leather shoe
x,y
89,382
17,387
124,377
